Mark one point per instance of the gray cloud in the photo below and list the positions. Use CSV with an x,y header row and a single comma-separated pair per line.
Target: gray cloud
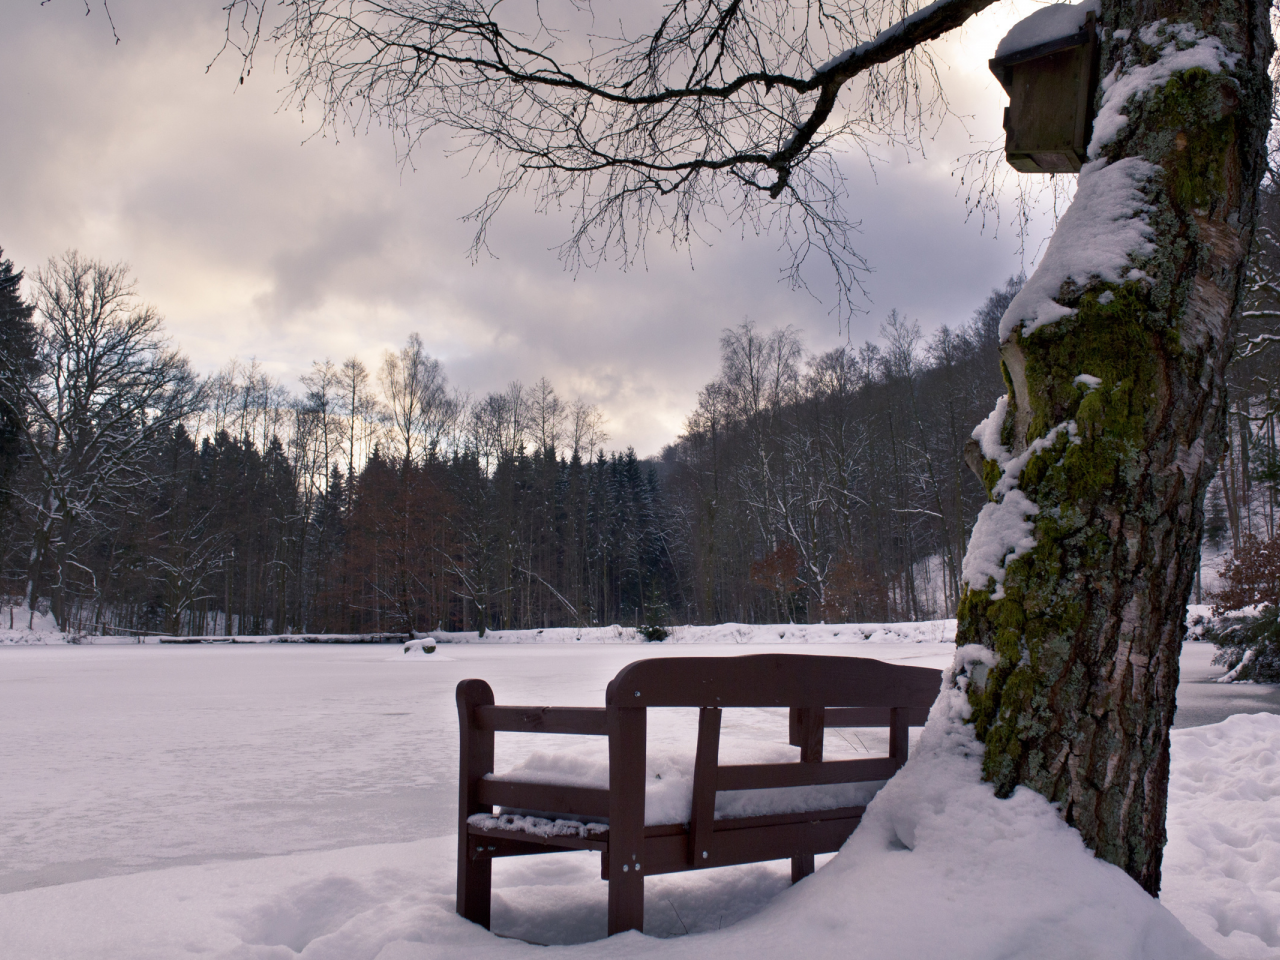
x,y
255,239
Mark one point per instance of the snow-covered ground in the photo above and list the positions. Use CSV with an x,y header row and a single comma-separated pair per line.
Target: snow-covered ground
x,y
927,631
20,625
1222,872
267,801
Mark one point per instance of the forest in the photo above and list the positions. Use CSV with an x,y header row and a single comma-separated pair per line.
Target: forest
x,y
138,497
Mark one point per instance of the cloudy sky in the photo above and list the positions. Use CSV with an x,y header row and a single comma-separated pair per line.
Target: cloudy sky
x,y
256,239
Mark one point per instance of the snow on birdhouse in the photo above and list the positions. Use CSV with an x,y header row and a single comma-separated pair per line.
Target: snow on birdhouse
x,y
1048,64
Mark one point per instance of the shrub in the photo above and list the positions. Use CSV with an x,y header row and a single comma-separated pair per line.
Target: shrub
x,y
1250,643
654,633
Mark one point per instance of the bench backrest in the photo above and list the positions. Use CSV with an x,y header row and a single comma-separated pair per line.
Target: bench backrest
x,y
772,680
821,692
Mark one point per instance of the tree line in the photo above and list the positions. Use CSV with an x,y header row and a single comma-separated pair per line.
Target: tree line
x,y
137,496
833,487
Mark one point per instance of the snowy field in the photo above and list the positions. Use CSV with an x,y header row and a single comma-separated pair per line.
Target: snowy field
x,y
271,802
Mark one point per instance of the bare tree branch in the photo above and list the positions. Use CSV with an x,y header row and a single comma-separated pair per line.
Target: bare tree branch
x,y
723,104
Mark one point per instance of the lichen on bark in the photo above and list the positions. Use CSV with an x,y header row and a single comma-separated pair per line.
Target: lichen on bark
x,y
1090,626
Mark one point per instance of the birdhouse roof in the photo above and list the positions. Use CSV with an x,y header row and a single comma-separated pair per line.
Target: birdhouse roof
x,y
1058,21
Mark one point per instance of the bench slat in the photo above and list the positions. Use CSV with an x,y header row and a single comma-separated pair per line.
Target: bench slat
x,y
703,811
778,819
552,797
870,716
507,843
627,734
772,680
783,840
761,776
580,720
667,852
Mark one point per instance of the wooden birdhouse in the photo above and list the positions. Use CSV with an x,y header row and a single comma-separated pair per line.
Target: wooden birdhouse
x,y
1051,87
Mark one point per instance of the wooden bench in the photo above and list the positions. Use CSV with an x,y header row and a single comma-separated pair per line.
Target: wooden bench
x,y
821,692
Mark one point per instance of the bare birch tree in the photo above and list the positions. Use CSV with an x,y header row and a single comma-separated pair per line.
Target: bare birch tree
x,y
421,408
547,415
586,428
359,407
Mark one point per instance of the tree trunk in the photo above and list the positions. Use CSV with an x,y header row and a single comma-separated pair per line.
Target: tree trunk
x,y
38,557
1088,623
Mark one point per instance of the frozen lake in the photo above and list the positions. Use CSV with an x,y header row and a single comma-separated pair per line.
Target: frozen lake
x,y
118,759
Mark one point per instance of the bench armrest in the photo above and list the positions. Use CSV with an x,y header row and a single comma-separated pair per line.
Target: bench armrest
x,y
590,721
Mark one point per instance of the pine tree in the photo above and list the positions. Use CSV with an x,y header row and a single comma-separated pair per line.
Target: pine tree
x,y
17,366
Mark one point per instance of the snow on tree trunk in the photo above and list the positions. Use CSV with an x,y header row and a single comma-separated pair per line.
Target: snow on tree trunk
x,y
1097,462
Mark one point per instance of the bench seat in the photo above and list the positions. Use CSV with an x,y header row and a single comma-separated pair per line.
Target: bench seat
x,y
669,784
733,841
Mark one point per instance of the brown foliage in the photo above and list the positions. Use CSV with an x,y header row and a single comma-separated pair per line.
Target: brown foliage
x,y
778,571
856,591
1252,575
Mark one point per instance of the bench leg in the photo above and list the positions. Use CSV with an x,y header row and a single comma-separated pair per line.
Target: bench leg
x,y
808,727
475,759
801,867
626,900
626,818
475,883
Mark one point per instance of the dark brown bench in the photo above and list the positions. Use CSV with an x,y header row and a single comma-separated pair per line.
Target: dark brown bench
x,y
821,692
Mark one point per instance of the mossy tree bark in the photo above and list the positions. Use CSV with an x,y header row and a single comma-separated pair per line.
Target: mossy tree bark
x,y
1091,623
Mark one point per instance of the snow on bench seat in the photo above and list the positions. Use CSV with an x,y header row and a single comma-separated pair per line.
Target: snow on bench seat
x,y
538,826
669,788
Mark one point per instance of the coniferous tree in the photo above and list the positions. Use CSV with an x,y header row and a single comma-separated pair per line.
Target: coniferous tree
x,y
18,368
